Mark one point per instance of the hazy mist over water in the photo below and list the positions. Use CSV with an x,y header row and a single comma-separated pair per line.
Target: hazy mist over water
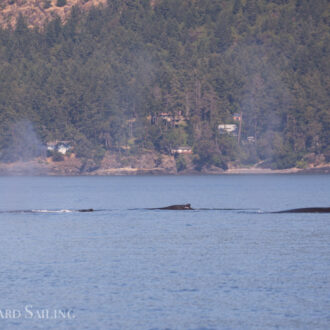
x,y
24,144
126,267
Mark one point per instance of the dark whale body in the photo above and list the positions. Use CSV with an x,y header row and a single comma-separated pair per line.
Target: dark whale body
x,y
86,210
175,207
307,210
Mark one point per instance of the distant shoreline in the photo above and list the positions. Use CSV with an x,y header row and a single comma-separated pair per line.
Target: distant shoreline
x,y
34,168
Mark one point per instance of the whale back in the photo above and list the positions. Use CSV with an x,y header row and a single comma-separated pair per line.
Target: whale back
x,y
175,207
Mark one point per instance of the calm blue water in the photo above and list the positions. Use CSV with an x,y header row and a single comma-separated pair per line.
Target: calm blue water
x,y
126,267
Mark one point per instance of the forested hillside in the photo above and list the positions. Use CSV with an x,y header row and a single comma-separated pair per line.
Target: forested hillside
x,y
107,78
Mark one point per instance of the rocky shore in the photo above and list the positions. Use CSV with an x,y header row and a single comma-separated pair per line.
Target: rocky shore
x,y
145,164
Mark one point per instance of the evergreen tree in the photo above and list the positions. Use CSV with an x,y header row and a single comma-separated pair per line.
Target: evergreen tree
x,y
60,3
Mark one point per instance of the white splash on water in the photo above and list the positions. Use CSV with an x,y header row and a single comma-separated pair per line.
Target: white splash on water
x,y
52,211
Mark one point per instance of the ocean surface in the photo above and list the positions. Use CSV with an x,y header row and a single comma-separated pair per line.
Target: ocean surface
x,y
229,264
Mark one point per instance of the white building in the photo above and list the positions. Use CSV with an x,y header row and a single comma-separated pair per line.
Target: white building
x,y
228,129
182,150
63,148
60,146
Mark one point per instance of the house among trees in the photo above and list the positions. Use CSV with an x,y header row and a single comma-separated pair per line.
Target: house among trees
x,y
237,117
60,146
169,118
166,116
251,139
181,150
230,129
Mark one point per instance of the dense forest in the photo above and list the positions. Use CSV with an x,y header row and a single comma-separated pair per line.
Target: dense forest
x,y
105,79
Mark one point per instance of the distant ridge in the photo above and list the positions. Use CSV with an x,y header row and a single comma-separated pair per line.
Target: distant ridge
x,y
37,12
